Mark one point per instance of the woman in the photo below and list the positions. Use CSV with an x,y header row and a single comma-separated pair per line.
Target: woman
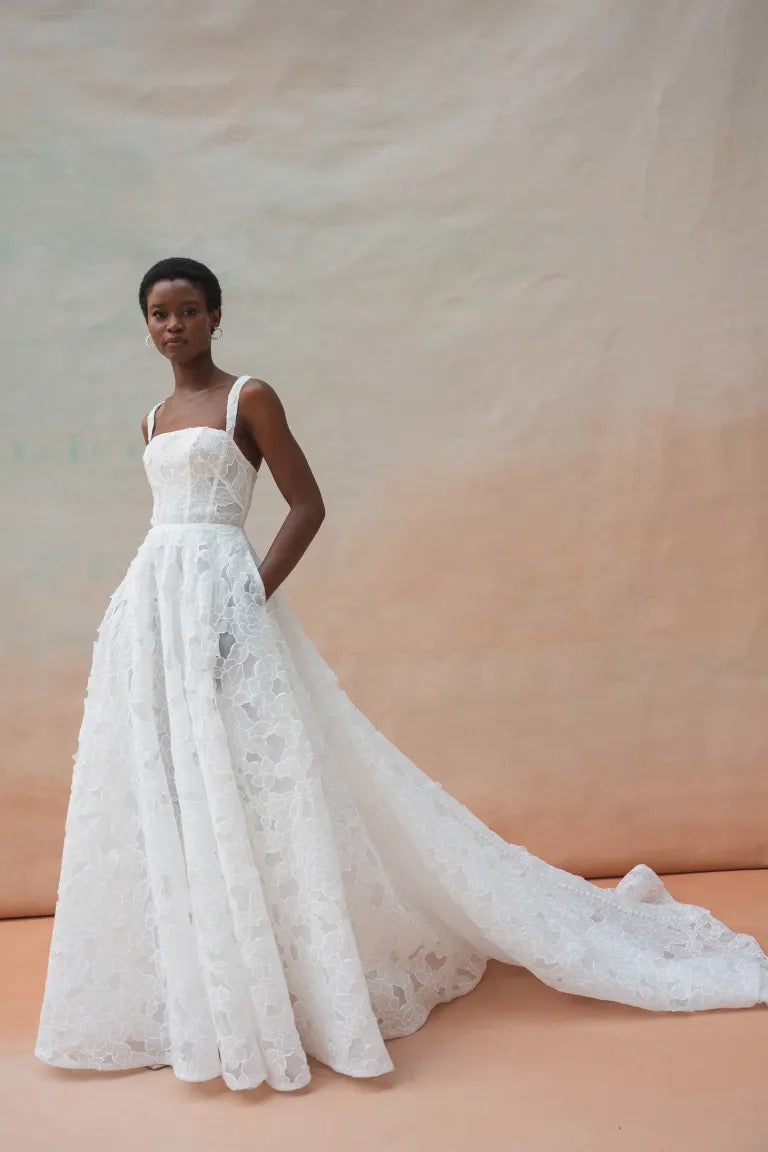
x,y
252,873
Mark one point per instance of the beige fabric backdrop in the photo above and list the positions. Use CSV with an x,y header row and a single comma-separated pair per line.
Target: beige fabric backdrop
x,y
506,265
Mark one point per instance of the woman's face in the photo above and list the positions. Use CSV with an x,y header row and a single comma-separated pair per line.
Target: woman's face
x,y
178,320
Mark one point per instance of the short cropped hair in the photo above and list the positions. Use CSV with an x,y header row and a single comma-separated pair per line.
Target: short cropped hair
x,y
181,268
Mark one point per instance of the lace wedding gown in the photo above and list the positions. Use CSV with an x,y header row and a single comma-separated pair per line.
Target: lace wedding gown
x,y
252,873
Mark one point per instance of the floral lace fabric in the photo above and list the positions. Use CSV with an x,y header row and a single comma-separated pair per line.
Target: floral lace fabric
x,y
253,874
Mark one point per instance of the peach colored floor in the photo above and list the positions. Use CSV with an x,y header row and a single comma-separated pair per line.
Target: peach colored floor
x,y
512,1067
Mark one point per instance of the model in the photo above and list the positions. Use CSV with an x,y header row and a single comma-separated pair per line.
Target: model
x,y
252,873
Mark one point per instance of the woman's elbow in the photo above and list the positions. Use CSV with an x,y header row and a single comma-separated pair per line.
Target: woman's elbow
x,y
312,510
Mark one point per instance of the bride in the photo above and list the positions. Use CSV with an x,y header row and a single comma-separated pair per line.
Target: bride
x,y
252,874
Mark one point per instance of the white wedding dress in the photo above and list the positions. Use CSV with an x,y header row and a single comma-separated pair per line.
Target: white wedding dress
x,y
252,873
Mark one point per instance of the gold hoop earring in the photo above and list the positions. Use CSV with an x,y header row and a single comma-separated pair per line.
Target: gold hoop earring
x,y
216,334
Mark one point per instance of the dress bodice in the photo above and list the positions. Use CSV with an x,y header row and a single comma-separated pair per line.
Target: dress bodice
x,y
199,474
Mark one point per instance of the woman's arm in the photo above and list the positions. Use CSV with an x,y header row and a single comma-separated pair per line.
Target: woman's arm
x,y
261,414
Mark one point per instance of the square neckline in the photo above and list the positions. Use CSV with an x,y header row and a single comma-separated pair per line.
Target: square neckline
x,y
236,384
229,433
207,428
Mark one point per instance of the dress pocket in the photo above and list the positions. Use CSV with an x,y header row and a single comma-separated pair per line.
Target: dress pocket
x,y
258,583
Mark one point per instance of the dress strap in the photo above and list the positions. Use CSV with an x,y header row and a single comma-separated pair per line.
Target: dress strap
x,y
232,399
151,420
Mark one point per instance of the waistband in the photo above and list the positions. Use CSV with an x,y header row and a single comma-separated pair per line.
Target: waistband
x,y
176,526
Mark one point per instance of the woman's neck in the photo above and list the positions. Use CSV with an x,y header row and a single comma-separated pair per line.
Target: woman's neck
x,y
198,375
